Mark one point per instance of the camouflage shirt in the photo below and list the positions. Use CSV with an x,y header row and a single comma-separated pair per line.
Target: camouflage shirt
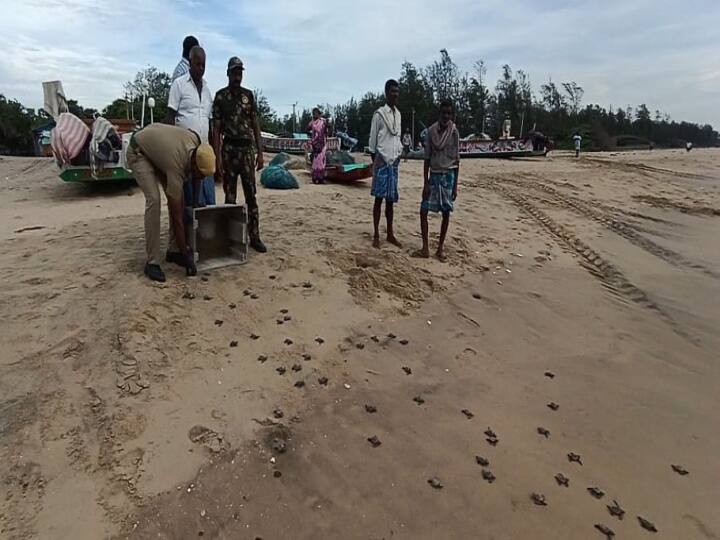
x,y
236,112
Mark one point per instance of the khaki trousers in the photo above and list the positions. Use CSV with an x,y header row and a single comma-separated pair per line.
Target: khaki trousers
x,y
150,181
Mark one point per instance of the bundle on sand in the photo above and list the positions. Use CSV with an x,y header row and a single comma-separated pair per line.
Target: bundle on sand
x,y
288,162
338,157
276,177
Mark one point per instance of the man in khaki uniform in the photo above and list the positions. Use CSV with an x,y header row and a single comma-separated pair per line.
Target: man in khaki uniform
x,y
167,156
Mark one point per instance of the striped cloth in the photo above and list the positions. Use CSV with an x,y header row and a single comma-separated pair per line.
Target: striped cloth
x,y
68,137
181,69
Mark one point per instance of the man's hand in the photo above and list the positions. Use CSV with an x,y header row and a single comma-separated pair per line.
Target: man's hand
x,y
260,163
426,191
219,169
454,195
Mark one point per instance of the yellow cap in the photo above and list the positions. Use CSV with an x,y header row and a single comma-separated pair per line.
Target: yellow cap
x,y
205,159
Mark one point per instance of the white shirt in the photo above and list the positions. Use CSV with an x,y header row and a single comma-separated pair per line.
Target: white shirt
x,y
193,110
578,140
385,133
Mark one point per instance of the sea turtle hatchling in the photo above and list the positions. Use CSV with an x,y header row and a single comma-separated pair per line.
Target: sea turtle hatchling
x,y
544,432
562,480
435,483
419,400
374,441
616,510
488,475
647,525
483,462
490,433
538,499
682,471
469,415
574,458
554,406
370,408
596,492
607,531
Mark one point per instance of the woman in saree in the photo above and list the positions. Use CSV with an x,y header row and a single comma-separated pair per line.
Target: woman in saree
x,y
318,143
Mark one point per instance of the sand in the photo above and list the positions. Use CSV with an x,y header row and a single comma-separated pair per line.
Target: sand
x,y
126,413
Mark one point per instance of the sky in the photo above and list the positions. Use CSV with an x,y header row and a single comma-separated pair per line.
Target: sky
x,y
622,52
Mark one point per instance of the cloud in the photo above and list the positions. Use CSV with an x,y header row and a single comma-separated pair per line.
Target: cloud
x,y
623,53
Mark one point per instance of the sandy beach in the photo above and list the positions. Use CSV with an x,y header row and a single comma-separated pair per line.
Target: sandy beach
x,y
577,314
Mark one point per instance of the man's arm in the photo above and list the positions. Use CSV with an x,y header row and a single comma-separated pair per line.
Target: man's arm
x,y
175,207
258,142
173,105
372,143
216,141
426,179
456,142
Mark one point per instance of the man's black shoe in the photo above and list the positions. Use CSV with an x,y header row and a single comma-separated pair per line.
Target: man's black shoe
x,y
175,257
154,272
258,246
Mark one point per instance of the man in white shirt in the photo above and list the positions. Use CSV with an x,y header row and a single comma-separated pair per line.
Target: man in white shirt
x,y
190,106
183,66
577,139
386,149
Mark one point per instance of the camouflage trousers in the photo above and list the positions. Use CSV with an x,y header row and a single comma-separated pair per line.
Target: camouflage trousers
x,y
240,161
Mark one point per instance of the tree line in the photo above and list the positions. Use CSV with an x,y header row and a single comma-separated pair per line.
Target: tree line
x,y
556,110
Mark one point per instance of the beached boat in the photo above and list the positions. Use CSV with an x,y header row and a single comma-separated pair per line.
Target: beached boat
x,y
499,148
299,144
350,172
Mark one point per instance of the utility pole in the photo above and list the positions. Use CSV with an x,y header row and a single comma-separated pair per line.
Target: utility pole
x,y
294,105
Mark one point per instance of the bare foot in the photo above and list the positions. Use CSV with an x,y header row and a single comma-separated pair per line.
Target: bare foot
x,y
440,256
376,242
394,241
421,253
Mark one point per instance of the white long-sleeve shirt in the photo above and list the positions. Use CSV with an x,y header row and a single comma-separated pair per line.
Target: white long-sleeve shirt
x,y
385,133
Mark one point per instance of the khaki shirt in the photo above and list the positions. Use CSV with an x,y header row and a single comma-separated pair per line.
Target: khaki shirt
x,y
169,149
441,161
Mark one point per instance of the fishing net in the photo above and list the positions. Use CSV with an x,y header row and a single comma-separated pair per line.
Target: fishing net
x,y
276,177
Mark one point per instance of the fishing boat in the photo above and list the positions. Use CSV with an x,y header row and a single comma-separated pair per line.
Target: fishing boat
x,y
298,144
348,173
499,148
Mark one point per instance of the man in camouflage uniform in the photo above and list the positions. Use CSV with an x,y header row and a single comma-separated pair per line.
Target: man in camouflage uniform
x,y
236,137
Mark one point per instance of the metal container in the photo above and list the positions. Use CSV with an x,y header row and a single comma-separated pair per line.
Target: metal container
x,y
219,236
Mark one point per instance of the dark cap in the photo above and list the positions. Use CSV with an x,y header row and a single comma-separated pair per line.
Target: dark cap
x,y
234,63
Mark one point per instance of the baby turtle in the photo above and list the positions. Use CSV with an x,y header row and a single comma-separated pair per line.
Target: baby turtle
x,y
284,311
232,306
403,342
574,458
277,474
323,381
419,400
254,336
544,432
482,461
554,406
407,370
296,367
370,408
489,476
607,531
272,276
247,292
435,483
277,413
491,441
360,346
374,441
539,499
278,446
204,279
596,492
207,298
262,358
319,340
469,415
300,384
647,525
279,321
375,339
490,433
391,336
562,480
615,510
682,471
287,318
307,285
288,341
549,374
218,322
188,295
233,343
254,296
306,357
281,370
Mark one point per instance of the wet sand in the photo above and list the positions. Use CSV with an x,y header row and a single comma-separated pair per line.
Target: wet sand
x,y
126,413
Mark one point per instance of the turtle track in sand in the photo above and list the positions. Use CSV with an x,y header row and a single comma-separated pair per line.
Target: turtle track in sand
x,y
609,275
607,216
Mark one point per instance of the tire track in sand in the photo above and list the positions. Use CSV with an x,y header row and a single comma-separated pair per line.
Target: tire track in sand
x,y
609,275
